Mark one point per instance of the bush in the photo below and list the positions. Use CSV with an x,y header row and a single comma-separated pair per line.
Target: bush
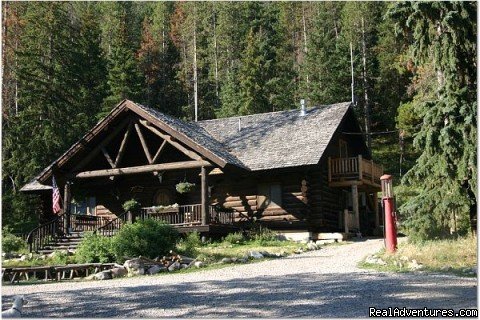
x,y
148,238
131,205
95,248
234,238
188,246
262,235
12,243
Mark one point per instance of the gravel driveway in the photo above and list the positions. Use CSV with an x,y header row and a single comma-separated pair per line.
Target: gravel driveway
x,y
323,283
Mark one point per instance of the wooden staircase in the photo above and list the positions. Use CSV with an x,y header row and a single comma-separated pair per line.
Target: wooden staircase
x,y
60,234
64,242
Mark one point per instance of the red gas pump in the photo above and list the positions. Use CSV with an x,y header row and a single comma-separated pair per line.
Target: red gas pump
x,y
389,209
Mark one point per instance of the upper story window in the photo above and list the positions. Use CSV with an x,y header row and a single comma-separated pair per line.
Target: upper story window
x,y
269,196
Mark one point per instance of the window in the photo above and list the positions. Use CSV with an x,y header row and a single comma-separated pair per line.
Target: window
x,y
269,196
84,206
342,145
162,198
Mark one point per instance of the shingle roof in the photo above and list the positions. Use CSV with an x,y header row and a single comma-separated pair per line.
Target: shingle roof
x,y
265,141
278,139
196,134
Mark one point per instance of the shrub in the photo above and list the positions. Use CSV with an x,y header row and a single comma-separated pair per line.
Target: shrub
x,y
234,238
148,238
95,248
12,243
263,235
188,246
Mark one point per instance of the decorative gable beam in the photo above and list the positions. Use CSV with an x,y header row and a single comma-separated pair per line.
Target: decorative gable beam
x,y
157,155
121,150
102,144
169,139
143,169
144,143
107,156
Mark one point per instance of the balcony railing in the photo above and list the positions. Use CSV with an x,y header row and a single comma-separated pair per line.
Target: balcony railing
x,y
344,171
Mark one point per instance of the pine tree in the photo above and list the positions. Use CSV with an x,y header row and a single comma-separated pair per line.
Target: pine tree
x,y
124,78
443,33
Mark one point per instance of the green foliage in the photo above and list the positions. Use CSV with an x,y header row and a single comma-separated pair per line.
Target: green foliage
x,y
95,248
262,235
148,238
12,243
190,244
131,205
446,170
184,187
234,238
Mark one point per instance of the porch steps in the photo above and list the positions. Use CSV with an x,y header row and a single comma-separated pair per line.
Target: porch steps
x,y
68,242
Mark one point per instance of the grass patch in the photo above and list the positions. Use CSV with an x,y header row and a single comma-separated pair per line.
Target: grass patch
x,y
455,256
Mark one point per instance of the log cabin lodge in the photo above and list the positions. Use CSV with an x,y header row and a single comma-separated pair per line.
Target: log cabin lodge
x,y
299,172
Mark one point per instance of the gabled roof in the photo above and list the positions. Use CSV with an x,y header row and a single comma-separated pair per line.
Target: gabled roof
x,y
278,139
256,142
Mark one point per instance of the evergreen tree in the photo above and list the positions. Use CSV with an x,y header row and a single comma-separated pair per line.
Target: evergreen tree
x,y
443,33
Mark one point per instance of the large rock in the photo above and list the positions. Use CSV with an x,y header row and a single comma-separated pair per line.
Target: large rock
x,y
103,275
135,267
226,260
199,264
174,266
156,269
119,272
255,255
414,265
312,246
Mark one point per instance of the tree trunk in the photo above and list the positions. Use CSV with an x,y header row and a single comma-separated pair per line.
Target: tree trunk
x,y
215,52
195,76
365,89
305,47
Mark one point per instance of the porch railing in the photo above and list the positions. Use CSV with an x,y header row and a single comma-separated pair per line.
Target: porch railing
x,y
82,222
45,233
354,168
186,215
112,227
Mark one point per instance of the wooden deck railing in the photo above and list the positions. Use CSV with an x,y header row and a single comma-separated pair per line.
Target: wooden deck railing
x,y
111,228
45,233
354,169
186,215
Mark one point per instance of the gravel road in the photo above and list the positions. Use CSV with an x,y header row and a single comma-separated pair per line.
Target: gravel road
x,y
323,283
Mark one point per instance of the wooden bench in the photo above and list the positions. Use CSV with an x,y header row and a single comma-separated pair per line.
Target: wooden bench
x,y
15,274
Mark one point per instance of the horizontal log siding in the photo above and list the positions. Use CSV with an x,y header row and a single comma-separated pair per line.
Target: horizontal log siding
x,y
326,203
241,196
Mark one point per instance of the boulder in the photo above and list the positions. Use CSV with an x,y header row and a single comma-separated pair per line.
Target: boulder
x,y
103,275
156,269
312,246
184,266
446,268
242,260
199,264
325,241
135,267
255,255
226,260
119,272
174,266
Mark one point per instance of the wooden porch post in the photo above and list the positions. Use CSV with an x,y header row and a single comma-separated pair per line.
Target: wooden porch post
x,y
355,205
66,206
204,196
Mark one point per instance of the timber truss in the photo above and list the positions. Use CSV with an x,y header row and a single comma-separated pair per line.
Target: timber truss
x,y
136,126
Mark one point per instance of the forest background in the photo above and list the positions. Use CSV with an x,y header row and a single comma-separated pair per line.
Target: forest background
x,y
65,65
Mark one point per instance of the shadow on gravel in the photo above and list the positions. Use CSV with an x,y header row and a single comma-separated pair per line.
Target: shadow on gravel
x,y
302,295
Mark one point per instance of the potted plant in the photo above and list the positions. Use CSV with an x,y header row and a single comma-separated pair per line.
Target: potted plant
x,y
184,187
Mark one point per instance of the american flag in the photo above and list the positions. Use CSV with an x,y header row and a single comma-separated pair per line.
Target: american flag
x,y
55,197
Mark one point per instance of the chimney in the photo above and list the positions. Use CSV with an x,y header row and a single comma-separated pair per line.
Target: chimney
x,y
302,108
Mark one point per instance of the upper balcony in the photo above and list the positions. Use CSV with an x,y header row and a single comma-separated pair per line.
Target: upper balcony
x,y
344,172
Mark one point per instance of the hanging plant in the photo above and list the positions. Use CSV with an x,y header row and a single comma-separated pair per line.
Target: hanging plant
x,y
131,205
184,187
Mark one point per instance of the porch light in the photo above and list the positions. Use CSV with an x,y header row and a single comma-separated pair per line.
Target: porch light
x,y
387,186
